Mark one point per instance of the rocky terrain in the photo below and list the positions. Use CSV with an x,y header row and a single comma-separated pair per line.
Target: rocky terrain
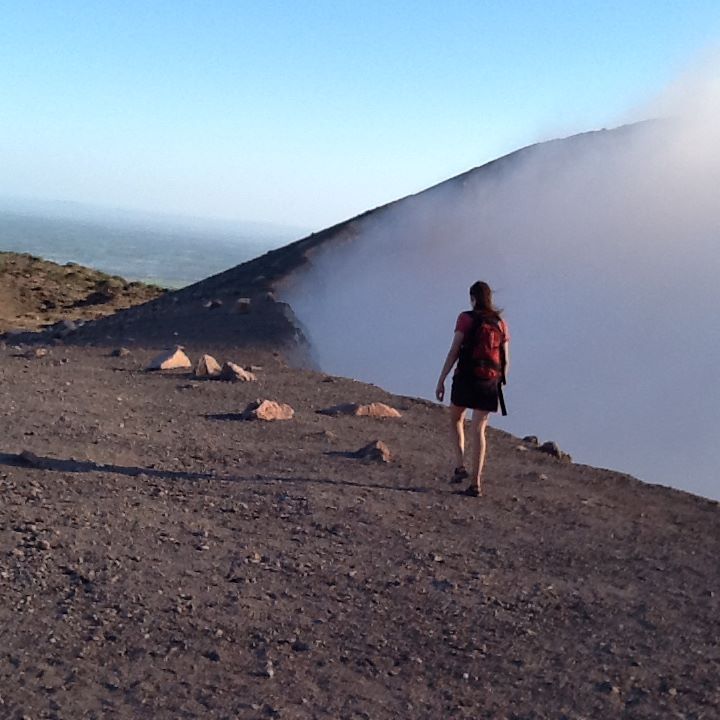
x,y
161,557
37,293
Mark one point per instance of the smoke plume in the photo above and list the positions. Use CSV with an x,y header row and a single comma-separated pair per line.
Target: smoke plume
x,y
603,250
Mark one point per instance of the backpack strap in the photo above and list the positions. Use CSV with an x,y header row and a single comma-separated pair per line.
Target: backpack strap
x,y
503,360
503,379
501,399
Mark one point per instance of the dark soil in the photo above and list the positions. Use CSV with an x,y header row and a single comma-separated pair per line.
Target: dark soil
x,y
160,558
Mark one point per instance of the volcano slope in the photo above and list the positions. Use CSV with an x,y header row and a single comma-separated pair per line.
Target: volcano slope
x,y
207,313
160,557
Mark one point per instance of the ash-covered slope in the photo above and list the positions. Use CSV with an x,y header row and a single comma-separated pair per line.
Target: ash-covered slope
x,y
160,558
207,312
235,307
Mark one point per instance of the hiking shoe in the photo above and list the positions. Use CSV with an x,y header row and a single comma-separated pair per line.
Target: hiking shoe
x,y
473,491
459,474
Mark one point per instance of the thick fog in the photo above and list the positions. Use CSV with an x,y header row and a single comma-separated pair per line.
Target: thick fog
x,y
603,250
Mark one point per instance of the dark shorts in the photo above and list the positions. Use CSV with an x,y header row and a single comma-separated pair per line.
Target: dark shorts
x,y
475,393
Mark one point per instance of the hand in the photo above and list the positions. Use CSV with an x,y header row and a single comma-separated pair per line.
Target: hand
x,y
440,390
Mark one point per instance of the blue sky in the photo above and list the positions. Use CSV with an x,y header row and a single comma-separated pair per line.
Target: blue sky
x,y
306,113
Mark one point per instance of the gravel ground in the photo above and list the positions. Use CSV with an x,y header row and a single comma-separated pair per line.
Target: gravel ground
x,y
162,558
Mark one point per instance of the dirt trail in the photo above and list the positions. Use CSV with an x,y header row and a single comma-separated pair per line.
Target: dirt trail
x,y
161,558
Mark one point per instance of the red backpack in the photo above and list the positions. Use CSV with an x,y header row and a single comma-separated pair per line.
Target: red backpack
x,y
482,353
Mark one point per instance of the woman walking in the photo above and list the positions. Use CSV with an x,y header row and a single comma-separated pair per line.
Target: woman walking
x,y
481,348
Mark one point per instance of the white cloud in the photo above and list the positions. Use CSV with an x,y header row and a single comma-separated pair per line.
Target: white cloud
x,y
603,248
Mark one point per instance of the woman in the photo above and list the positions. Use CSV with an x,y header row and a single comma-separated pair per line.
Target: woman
x,y
481,344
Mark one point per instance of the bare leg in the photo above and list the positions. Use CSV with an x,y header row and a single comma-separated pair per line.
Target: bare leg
x,y
477,433
457,433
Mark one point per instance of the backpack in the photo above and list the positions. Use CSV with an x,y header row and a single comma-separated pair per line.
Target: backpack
x,y
482,354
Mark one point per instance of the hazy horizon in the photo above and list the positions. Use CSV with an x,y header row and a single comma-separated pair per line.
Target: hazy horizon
x,y
171,252
78,210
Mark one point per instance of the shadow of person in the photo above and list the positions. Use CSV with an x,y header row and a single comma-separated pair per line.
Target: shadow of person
x,y
28,459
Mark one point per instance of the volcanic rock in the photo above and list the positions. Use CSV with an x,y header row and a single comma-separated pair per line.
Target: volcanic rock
x,y
64,328
376,451
37,353
170,360
207,366
234,373
268,410
551,448
375,410
243,305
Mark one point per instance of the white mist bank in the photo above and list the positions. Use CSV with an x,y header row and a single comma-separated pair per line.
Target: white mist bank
x,y
603,250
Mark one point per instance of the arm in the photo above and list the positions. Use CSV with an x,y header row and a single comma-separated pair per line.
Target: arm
x,y
450,360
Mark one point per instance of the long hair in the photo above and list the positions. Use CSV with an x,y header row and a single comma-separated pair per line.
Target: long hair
x,y
482,294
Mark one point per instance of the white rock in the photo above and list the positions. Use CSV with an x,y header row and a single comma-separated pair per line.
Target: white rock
x,y
234,373
170,360
268,410
207,366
